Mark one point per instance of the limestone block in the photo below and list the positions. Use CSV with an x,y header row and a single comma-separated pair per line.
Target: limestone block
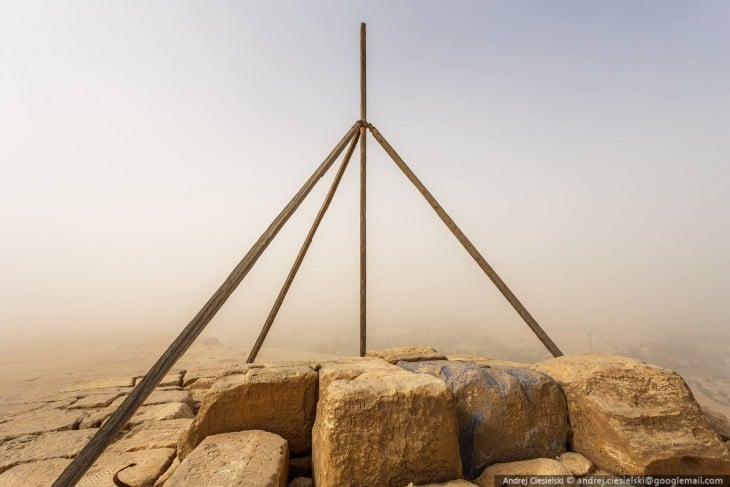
x,y
34,474
630,417
39,421
385,428
281,400
33,448
134,469
255,458
152,434
505,414
407,354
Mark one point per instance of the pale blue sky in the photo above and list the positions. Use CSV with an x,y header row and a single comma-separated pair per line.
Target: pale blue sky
x,y
581,145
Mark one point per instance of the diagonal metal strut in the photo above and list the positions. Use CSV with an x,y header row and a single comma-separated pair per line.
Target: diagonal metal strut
x,y
480,260
302,252
76,469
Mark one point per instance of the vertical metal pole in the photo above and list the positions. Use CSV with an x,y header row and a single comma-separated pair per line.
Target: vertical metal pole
x,y
363,196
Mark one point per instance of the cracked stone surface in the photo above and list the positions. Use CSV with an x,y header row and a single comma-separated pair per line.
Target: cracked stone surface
x,y
156,412
99,399
278,399
34,474
39,421
110,383
134,469
153,434
255,458
170,396
33,448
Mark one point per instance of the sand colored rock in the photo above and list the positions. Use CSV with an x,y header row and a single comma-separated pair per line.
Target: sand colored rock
x,y
630,417
171,379
100,398
161,412
505,414
385,428
152,434
110,383
237,369
281,400
198,389
201,384
155,412
194,375
147,467
168,473
536,466
348,369
39,421
33,448
479,360
34,474
719,422
134,469
33,406
169,396
301,482
576,463
254,458
94,417
407,354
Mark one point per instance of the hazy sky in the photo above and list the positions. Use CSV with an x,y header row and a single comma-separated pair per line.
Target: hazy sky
x,y
582,145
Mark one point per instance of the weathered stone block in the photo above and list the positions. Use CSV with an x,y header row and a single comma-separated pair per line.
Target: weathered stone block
x,y
630,417
39,421
34,474
505,414
33,448
406,354
385,428
281,400
133,469
349,368
152,434
255,458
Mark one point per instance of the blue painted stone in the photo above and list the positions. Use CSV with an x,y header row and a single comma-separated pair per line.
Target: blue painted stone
x,y
505,414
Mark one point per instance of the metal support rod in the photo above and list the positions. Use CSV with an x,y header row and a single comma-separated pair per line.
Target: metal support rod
x,y
363,195
302,252
76,469
491,273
